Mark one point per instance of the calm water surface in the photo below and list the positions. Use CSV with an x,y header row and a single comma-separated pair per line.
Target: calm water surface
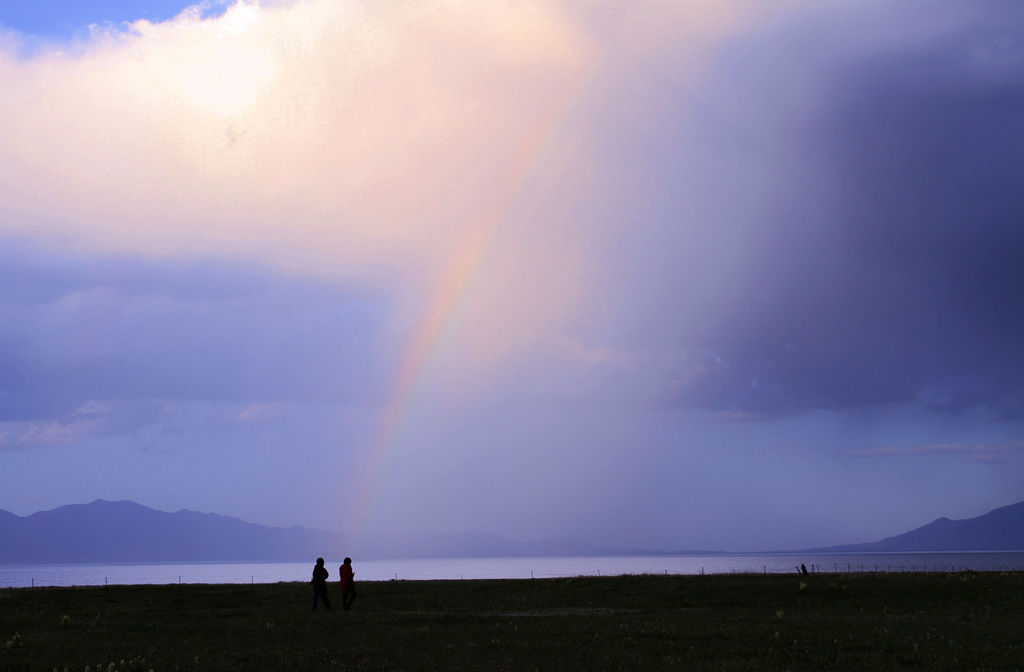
x,y
502,568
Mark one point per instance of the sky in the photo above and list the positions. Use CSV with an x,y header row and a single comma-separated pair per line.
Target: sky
x,y
661,274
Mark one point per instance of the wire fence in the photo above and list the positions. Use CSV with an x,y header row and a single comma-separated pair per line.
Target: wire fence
x,y
851,568
46,576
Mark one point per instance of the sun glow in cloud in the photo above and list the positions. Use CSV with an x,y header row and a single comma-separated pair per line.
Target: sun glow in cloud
x,y
219,66
315,136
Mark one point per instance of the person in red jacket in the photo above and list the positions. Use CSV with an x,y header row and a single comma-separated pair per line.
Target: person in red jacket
x,y
348,584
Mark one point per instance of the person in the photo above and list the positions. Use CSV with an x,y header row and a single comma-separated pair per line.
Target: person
x,y
319,582
348,584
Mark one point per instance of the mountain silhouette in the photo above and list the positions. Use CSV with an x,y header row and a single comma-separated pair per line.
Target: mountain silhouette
x,y
128,532
1001,529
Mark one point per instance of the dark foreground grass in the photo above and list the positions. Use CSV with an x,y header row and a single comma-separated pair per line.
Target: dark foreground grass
x,y
728,622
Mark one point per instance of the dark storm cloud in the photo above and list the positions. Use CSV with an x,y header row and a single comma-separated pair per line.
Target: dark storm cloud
x,y
884,262
75,330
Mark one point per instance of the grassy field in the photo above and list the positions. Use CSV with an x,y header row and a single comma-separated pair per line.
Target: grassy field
x,y
957,621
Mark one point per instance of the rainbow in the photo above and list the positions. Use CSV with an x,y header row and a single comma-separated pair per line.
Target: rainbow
x,y
422,352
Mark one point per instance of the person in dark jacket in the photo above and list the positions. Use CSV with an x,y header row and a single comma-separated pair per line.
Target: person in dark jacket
x,y
319,582
348,584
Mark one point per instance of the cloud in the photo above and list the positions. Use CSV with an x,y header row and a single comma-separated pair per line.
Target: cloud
x,y
79,331
366,144
837,225
317,136
258,413
370,144
90,420
979,452
754,212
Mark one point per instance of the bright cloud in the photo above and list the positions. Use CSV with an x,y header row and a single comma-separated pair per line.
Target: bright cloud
x,y
363,142
318,136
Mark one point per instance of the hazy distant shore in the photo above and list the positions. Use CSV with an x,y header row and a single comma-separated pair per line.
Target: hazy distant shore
x,y
504,568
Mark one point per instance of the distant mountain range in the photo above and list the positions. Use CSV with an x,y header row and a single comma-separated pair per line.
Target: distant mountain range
x,y
128,532
999,530
116,532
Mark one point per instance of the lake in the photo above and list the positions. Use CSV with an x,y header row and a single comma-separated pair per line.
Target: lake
x,y
504,568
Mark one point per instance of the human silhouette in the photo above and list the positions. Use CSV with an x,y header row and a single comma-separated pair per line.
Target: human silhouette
x,y
348,584
319,582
